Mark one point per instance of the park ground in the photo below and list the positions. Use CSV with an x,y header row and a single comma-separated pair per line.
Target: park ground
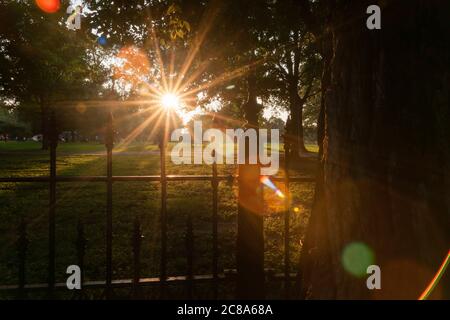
x,y
86,202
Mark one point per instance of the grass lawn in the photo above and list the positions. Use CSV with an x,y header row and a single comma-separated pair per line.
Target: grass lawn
x,y
86,202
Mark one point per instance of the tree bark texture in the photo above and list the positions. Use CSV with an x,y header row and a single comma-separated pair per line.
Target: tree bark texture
x,y
295,124
384,176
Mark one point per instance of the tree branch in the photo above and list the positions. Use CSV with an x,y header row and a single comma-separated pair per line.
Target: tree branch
x,y
306,97
306,14
308,91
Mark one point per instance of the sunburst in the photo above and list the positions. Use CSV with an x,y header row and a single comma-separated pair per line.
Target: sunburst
x,y
167,94
170,100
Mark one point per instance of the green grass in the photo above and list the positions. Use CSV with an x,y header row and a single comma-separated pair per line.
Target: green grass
x,y
79,147
312,148
86,202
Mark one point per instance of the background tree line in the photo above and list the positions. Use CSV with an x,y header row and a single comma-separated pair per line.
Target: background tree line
x,y
252,50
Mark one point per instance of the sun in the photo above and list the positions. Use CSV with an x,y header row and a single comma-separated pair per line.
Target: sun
x,y
170,101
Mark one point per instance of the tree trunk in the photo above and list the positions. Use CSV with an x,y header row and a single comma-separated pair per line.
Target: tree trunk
x,y
384,180
250,239
295,125
45,123
251,107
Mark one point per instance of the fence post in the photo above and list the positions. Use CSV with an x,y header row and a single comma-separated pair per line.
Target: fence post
x,y
22,246
163,213
53,135
215,185
81,250
109,143
287,213
190,255
250,239
136,243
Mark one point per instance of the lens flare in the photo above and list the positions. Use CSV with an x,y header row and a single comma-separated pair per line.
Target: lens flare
x,y
356,257
267,182
436,278
102,40
48,6
81,107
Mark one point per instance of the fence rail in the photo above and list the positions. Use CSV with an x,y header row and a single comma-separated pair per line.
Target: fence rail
x,y
152,178
136,282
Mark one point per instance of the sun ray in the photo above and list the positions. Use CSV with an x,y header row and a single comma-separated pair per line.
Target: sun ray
x,y
237,73
205,26
131,116
171,67
105,103
157,124
238,122
155,92
138,130
194,76
159,59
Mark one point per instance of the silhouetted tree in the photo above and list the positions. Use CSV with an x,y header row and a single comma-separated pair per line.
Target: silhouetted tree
x,y
42,60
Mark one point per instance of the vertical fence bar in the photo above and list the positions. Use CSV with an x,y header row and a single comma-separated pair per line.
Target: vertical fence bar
x,y
81,250
53,139
190,255
109,143
163,213
136,243
22,246
287,283
250,237
215,185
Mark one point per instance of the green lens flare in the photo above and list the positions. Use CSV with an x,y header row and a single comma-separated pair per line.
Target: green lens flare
x,y
356,257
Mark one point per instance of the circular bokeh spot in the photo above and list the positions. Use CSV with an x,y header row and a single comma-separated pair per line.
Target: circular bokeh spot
x,y
81,108
102,40
49,6
356,257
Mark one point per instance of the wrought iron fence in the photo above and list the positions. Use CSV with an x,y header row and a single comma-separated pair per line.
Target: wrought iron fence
x,y
136,282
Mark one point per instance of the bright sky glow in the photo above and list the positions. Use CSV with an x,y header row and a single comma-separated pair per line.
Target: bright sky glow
x,y
170,101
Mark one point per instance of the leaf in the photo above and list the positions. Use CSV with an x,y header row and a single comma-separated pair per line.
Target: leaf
x,y
187,26
173,8
180,34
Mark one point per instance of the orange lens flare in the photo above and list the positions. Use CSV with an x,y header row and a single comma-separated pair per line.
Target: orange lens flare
x,y
48,6
436,278
267,182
